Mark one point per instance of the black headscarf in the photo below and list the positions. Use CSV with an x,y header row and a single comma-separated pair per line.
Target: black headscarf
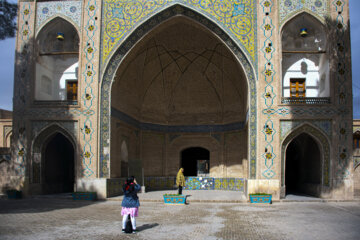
x,y
129,185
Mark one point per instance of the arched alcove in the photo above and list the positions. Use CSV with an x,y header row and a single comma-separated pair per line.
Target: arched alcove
x,y
303,166
159,125
58,162
296,155
53,162
180,79
305,63
57,47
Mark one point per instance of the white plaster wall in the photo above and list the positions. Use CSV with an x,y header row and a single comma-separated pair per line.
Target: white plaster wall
x,y
311,75
58,70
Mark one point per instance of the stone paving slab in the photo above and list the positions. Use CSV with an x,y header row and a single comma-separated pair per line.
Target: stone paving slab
x,y
59,218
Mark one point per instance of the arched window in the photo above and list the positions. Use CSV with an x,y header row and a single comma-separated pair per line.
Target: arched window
x,y
57,47
305,63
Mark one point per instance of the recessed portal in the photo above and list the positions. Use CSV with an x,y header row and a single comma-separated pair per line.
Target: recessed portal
x,y
59,165
195,161
179,83
303,166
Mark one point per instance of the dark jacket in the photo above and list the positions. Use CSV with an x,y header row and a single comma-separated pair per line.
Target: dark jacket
x,y
131,200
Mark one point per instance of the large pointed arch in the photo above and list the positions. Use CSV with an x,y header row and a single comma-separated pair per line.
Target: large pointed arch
x,y
130,42
324,146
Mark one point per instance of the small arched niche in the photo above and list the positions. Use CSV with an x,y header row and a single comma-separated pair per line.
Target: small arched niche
x,y
305,63
57,47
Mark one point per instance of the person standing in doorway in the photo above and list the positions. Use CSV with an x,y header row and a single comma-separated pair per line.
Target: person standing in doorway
x,y
130,203
180,180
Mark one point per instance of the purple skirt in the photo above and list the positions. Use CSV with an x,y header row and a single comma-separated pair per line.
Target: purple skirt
x,y
132,211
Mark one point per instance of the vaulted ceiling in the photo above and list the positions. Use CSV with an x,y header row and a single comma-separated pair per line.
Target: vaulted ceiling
x,y
181,74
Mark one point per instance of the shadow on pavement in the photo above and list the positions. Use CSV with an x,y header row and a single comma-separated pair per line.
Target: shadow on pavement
x,y
41,204
147,226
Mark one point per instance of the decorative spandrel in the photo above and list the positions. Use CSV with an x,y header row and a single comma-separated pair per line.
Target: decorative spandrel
x,y
235,17
289,8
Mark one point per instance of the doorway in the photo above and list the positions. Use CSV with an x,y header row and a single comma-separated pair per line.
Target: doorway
x,y
303,166
195,161
58,171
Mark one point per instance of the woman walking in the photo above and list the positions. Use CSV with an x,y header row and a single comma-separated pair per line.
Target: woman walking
x,y
180,180
130,204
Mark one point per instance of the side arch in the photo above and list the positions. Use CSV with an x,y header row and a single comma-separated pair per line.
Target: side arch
x,y
49,20
37,146
324,146
131,41
290,17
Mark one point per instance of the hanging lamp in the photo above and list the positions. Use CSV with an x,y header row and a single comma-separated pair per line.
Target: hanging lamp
x,y
60,36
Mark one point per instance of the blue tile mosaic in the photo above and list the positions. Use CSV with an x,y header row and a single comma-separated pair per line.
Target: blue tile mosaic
x,y
199,183
196,183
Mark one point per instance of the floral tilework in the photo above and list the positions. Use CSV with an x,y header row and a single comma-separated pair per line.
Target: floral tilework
x,y
342,82
287,126
199,183
231,184
196,183
268,72
121,17
71,10
288,8
88,96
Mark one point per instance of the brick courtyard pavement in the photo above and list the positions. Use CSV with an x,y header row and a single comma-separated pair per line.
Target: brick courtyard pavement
x,y
56,218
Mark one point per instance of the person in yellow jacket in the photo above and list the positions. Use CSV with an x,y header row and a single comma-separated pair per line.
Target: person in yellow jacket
x,y
180,180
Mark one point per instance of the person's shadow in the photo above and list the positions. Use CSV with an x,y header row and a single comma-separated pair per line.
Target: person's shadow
x,y
146,226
